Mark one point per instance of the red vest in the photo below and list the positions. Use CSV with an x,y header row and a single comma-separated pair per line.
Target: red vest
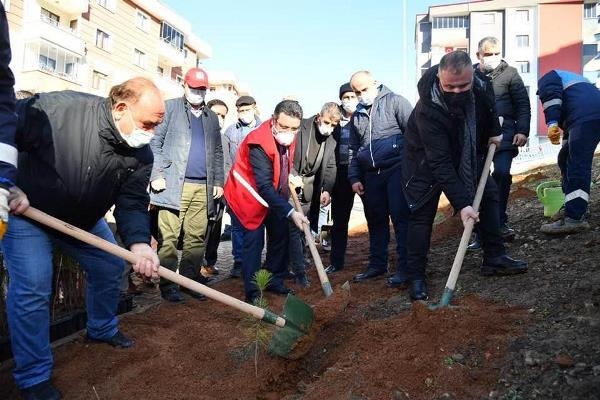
x,y
240,187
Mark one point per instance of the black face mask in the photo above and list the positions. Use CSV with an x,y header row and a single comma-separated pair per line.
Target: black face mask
x,y
456,101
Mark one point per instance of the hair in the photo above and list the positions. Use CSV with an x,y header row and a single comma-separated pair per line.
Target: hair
x,y
23,94
487,40
332,109
455,62
288,107
217,102
130,90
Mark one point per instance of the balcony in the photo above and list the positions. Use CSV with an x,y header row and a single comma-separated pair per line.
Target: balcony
x,y
52,59
51,31
71,7
169,54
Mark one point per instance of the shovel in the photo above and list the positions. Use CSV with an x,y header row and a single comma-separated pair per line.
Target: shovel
x,y
464,240
297,320
325,284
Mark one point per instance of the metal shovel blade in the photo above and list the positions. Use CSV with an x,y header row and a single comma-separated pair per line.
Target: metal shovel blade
x,y
299,318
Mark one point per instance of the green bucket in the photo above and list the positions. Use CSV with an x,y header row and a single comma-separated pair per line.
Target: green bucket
x,y
551,196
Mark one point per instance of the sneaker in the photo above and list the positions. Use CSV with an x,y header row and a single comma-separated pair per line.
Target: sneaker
x,y
565,226
475,243
172,294
302,280
560,214
236,271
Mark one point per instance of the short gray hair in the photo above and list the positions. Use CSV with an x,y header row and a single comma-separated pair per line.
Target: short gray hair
x,y
487,40
455,61
332,109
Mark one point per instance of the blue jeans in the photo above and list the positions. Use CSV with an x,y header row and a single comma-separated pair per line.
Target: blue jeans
x,y
575,162
27,250
384,199
237,238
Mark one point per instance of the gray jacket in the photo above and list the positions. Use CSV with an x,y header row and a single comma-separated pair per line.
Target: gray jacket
x,y
171,146
377,135
233,137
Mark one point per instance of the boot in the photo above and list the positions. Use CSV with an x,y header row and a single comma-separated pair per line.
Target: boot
x,y
565,226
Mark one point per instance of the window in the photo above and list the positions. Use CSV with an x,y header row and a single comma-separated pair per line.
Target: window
x,y
142,21
171,36
139,58
522,16
522,40
108,4
99,81
522,66
50,58
451,22
589,10
488,19
462,49
49,17
102,40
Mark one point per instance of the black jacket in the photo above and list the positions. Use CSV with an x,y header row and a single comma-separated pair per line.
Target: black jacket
x,y
74,165
8,120
433,142
324,174
512,103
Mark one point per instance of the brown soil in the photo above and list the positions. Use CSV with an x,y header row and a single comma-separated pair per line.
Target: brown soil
x,y
521,337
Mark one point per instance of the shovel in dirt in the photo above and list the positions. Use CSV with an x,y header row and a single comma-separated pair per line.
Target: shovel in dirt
x,y
325,284
297,320
464,240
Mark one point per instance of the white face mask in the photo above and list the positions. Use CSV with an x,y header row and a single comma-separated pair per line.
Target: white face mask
x,y
325,130
490,63
221,121
137,138
368,98
349,105
283,138
247,117
194,96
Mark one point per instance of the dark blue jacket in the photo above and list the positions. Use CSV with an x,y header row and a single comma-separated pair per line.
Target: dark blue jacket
x,y
376,134
8,118
568,98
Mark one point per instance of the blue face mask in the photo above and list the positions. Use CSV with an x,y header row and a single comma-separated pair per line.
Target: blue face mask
x,y
138,137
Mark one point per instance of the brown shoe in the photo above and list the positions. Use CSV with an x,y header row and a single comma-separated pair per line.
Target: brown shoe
x,y
209,270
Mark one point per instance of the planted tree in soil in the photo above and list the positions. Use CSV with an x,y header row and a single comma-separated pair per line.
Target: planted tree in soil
x,y
259,331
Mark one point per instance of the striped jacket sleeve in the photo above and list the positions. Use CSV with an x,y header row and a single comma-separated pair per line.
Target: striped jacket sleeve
x,y
8,118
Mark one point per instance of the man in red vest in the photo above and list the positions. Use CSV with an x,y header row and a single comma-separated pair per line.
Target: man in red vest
x,y
257,191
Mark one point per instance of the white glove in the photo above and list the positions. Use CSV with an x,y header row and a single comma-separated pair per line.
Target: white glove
x,y
4,209
158,185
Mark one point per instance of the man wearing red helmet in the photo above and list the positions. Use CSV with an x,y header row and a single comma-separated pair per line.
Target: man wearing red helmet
x,y
187,179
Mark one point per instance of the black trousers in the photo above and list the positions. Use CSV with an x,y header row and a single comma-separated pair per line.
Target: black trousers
x,y
420,225
342,200
213,236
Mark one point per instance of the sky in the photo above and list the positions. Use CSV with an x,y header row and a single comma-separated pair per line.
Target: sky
x,y
307,48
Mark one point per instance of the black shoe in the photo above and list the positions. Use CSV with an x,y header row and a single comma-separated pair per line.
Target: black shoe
x,y
507,233
398,281
202,279
502,265
332,269
194,295
279,288
236,271
252,299
368,274
418,290
118,340
288,275
172,294
42,391
302,280
475,243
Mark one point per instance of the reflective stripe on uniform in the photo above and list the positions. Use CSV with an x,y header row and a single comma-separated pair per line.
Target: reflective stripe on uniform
x,y
553,102
576,195
8,154
249,187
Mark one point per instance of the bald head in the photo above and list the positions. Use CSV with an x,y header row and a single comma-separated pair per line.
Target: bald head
x,y
364,86
136,104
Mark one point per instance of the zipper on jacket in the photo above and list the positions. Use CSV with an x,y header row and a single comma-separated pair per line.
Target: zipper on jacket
x,y
371,134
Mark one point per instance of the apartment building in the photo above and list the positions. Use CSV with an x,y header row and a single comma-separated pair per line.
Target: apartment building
x,y
536,36
90,45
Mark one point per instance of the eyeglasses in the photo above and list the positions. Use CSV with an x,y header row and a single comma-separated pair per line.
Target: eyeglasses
x,y
281,128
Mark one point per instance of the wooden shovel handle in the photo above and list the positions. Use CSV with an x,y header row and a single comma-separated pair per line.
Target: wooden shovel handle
x,y
313,249
464,240
131,257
